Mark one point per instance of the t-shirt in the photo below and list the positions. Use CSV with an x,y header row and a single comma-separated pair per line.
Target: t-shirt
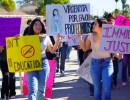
x,y
44,43
49,55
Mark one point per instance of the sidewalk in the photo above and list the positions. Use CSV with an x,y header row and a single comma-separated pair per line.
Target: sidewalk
x,y
71,87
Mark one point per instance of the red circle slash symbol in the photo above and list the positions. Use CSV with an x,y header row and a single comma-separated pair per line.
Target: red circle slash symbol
x,y
27,51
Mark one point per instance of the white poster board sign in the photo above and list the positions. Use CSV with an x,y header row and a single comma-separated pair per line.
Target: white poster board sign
x,y
73,39
84,70
67,19
115,39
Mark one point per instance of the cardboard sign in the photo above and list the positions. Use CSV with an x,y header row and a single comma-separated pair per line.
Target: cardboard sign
x,y
122,21
67,19
84,70
9,27
73,39
115,39
23,54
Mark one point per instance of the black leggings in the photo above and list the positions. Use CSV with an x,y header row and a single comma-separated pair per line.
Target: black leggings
x,y
8,81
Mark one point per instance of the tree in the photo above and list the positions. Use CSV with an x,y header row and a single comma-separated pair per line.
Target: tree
x,y
123,3
105,14
9,5
116,2
116,12
42,6
126,10
22,3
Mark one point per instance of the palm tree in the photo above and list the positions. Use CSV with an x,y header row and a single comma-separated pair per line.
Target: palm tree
x,y
123,3
116,2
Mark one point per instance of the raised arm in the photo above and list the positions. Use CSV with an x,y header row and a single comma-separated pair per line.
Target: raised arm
x,y
84,44
1,48
53,48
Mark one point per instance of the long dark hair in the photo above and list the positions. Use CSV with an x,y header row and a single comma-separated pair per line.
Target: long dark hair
x,y
91,28
101,21
54,11
31,31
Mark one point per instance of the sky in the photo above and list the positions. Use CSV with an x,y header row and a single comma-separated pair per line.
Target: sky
x,y
97,7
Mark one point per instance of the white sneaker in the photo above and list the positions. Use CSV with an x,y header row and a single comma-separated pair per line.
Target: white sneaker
x,y
123,83
129,79
12,97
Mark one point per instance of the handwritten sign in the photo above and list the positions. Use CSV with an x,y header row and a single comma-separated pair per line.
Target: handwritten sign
x,y
73,39
115,39
84,70
9,27
122,21
23,54
67,19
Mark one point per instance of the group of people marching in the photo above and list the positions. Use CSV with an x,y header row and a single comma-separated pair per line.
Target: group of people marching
x,y
104,65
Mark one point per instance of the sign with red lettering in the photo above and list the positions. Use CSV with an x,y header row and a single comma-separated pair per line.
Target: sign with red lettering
x,y
115,39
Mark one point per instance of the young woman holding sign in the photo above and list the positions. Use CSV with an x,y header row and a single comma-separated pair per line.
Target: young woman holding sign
x,y
101,65
37,79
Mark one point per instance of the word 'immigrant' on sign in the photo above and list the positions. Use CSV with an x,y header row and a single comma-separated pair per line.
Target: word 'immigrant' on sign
x,y
120,38
25,65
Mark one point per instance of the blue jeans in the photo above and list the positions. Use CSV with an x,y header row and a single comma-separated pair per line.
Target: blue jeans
x,y
91,88
125,65
37,81
63,56
69,49
102,70
115,65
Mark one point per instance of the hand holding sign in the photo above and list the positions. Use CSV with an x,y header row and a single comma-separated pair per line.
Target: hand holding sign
x,y
1,48
79,36
58,40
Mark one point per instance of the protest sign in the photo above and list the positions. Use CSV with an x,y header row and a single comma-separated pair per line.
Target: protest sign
x,y
73,39
67,19
115,39
122,21
84,70
23,54
9,27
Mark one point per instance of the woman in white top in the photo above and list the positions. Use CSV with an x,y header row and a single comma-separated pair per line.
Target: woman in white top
x,y
37,79
101,64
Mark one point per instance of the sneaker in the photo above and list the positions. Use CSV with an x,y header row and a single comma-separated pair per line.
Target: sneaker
x,y
12,97
129,79
115,82
68,59
57,70
62,73
5,98
123,83
91,95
